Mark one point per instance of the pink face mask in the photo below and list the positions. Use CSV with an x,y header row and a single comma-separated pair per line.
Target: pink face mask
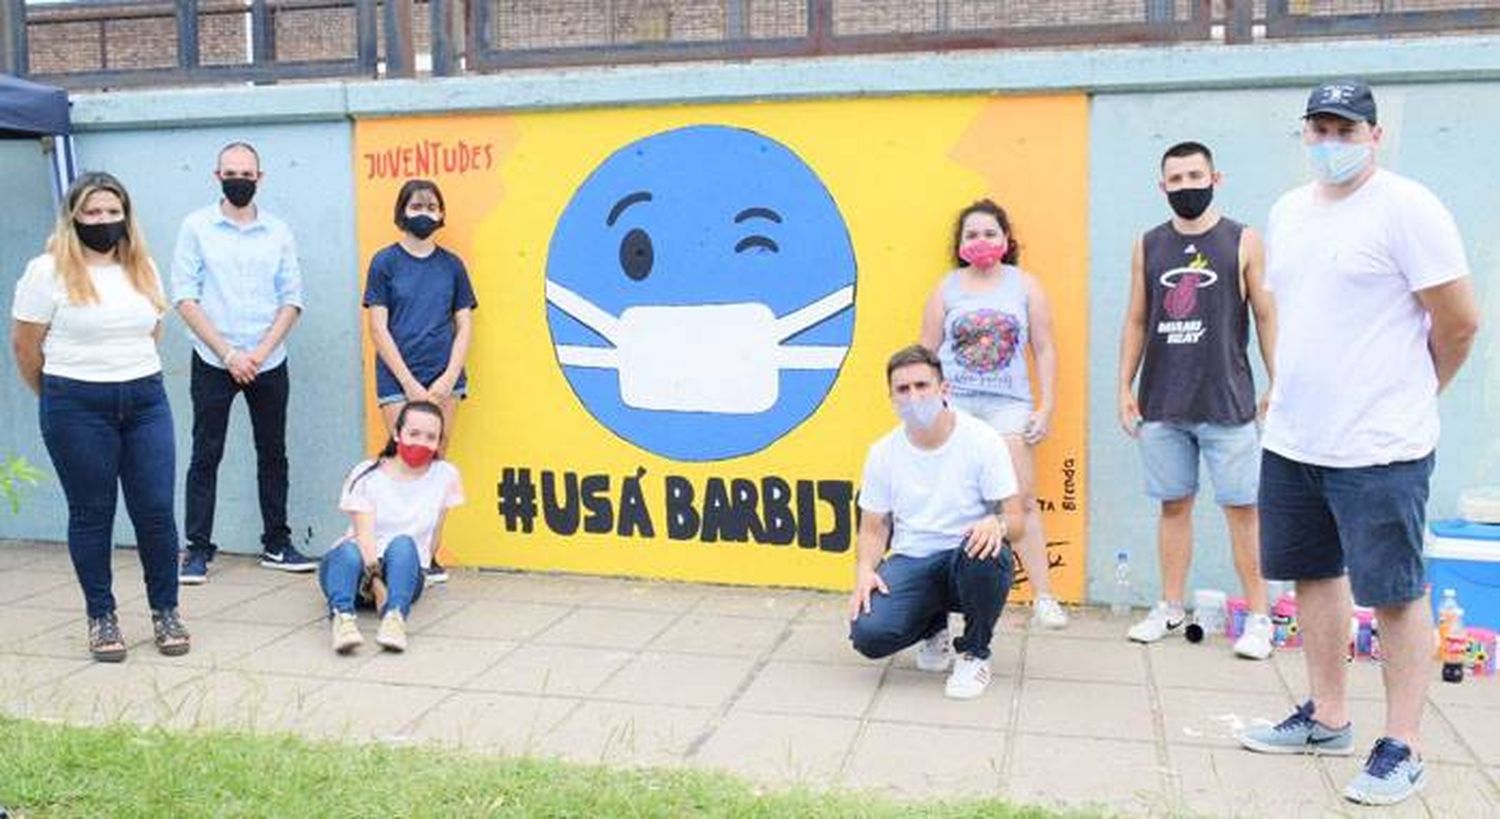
x,y
982,253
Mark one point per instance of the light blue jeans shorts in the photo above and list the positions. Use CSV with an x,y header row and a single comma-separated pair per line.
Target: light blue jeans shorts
x,y
1006,416
1170,450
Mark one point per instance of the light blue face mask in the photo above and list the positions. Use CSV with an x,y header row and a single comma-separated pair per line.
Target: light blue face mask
x,y
1336,162
920,413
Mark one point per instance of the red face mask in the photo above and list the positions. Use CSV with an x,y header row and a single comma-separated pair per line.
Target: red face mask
x,y
415,456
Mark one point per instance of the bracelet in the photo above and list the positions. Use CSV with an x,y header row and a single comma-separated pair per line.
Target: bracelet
x,y
230,356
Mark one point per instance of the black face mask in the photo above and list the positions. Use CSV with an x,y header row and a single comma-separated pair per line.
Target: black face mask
x,y
238,191
421,225
102,237
1190,203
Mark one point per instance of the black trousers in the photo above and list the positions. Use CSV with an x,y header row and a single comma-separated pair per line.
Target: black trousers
x,y
213,392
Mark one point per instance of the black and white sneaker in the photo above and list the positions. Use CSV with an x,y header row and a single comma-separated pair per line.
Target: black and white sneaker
x,y
288,559
436,573
1162,620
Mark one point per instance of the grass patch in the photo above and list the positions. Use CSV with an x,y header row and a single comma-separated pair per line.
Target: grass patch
x,y
49,770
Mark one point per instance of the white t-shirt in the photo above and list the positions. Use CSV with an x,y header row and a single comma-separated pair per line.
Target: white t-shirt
x,y
935,495
1355,383
410,508
107,341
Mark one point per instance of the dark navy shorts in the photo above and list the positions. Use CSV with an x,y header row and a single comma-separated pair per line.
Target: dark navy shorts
x,y
1318,522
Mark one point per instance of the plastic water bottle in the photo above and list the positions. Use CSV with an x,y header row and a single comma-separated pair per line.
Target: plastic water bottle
x,y
1119,602
1455,647
1448,610
1448,607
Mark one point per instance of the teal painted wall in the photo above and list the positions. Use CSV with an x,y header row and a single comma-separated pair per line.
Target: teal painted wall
x,y
168,172
1434,133
28,219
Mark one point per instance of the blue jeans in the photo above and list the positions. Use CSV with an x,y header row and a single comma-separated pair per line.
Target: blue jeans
x,y
213,393
922,592
400,567
102,437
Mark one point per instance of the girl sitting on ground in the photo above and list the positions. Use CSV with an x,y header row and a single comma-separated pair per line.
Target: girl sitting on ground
x,y
397,502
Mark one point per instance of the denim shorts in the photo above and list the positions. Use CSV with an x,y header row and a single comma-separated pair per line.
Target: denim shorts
x,y
461,393
1317,522
1169,453
1007,416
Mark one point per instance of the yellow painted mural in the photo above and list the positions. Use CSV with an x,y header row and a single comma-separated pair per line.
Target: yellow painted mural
x,y
685,312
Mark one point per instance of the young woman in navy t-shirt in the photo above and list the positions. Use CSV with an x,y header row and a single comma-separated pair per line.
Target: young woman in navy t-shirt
x,y
421,304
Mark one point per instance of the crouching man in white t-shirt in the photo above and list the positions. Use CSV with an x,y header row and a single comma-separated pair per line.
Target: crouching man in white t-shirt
x,y
943,480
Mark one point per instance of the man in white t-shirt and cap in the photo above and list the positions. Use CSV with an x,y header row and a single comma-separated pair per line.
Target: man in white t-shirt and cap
x,y
943,481
1376,313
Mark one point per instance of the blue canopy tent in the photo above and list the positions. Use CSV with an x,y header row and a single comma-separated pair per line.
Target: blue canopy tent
x,y
30,110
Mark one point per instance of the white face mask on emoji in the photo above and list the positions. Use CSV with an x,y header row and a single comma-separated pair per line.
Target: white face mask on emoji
x,y
719,358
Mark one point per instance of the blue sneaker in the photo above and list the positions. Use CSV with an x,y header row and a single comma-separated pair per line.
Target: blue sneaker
x,y
194,571
1300,734
1391,774
287,559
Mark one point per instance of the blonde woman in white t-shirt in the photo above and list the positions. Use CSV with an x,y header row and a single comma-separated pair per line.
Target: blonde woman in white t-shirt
x,y
87,319
397,503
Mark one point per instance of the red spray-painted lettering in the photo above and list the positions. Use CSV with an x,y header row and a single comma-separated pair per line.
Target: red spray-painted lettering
x,y
428,158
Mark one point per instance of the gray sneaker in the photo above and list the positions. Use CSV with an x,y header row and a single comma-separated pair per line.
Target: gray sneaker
x,y
1300,734
1392,773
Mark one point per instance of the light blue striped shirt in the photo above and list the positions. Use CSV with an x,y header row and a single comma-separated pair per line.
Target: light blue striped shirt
x,y
241,275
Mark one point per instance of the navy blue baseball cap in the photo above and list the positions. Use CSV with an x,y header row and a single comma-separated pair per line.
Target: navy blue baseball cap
x,y
1350,99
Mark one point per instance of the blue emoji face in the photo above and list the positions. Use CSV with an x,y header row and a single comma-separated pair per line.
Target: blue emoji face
x,y
700,292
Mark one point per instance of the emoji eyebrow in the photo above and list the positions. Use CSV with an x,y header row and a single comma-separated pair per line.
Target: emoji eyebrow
x,y
753,213
625,202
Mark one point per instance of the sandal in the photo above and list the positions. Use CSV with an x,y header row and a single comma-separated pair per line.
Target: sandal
x,y
172,638
105,641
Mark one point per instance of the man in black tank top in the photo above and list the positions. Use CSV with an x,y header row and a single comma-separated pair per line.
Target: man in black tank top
x,y
1194,281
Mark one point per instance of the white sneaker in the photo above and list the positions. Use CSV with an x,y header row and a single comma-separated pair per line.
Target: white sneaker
x,y
1048,613
1255,642
392,633
970,677
346,636
936,653
1163,619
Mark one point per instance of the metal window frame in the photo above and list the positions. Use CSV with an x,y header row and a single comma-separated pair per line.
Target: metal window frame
x,y
821,39
473,47
263,67
1282,23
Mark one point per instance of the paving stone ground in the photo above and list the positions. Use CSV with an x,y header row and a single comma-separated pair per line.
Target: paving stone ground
x,y
758,682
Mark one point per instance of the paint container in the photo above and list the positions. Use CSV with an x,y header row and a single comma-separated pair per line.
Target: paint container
x,y
1481,654
1211,611
1364,633
1284,622
1239,609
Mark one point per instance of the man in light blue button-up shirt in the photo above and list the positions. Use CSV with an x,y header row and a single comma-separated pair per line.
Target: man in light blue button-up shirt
x,y
236,283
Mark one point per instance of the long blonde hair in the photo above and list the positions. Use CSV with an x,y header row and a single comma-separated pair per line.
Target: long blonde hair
x,y
131,252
